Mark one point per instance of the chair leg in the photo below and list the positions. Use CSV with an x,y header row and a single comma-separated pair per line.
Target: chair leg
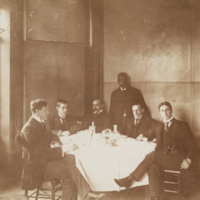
x,y
146,192
37,193
26,193
53,191
179,183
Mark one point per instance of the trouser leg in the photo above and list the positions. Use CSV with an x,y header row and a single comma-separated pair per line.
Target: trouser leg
x,y
154,164
143,167
58,169
73,180
155,180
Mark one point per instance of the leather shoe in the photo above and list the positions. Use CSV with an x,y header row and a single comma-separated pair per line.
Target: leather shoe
x,y
124,182
94,195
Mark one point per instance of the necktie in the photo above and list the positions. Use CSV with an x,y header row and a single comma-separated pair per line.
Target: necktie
x,y
166,124
63,124
137,122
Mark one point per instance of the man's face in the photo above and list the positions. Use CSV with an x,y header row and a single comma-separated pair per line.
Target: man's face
x,y
165,112
62,109
97,106
122,81
43,113
137,111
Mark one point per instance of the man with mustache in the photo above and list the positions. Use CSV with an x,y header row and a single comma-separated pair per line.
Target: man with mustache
x,y
99,116
41,160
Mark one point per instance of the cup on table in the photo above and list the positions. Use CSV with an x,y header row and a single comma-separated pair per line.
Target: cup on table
x,y
145,139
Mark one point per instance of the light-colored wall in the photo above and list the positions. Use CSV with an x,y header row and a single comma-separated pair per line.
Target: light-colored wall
x,y
156,44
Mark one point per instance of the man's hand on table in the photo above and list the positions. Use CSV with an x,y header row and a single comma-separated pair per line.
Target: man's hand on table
x,y
64,133
69,147
186,163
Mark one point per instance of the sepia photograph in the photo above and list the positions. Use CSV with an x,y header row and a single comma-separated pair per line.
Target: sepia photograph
x,y
99,99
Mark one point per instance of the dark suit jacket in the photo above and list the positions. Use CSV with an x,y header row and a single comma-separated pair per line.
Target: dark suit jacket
x,y
37,152
123,101
70,124
102,121
185,143
144,124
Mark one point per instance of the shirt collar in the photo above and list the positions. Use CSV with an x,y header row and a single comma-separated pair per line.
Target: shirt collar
x,y
139,117
37,118
122,89
169,120
61,116
99,112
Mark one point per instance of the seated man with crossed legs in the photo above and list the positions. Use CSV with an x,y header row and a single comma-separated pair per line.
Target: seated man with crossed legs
x,y
176,150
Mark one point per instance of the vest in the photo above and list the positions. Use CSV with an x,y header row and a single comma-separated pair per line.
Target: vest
x,y
168,140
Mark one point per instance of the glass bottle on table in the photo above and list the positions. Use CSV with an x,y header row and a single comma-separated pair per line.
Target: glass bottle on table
x,y
92,130
115,131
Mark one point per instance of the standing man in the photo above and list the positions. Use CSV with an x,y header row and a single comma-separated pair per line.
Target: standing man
x,y
99,116
41,160
176,150
62,123
139,123
123,99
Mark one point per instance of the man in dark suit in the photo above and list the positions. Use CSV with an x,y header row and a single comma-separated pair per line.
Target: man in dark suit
x,y
176,150
41,160
63,123
99,117
122,100
139,123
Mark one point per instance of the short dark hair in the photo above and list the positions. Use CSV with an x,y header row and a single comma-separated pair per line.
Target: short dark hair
x,y
165,103
37,104
61,101
123,74
139,104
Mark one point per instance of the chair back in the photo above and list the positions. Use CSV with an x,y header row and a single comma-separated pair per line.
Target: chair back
x,y
23,148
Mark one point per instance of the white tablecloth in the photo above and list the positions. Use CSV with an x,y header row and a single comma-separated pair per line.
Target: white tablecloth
x,y
100,164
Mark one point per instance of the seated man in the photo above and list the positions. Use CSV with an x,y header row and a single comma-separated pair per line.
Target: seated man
x,y
99,116
51,163
139,123
122,100
176,150
63,123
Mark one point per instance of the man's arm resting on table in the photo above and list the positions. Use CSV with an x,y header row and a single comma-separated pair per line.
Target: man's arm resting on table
x,y
59,133
150,133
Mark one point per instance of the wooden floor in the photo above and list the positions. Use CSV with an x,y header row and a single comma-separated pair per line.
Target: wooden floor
x,y
138,193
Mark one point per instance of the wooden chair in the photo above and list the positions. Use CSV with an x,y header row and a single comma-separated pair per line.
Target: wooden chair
x,y
172,178
40,192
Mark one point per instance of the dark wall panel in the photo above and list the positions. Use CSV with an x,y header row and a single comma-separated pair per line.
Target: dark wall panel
x,y
71,66
41,74
52,71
